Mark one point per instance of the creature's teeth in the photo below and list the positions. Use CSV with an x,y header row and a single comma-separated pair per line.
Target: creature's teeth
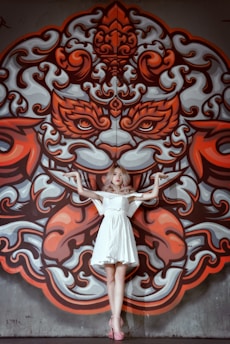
x,y
160,167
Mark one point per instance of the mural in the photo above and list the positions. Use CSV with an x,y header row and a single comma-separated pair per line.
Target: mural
x,y
114,85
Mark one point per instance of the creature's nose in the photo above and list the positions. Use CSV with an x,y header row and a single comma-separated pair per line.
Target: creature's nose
x,y
115,152
115,142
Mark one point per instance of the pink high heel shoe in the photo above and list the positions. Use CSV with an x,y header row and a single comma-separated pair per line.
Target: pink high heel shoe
x,y
115,335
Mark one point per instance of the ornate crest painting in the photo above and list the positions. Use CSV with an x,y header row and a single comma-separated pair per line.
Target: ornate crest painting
x,y
114,85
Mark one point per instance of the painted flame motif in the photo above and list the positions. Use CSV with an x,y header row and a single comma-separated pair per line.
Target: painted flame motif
x,y
122,89
206,150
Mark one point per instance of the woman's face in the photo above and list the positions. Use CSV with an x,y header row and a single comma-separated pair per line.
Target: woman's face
x,y
117,177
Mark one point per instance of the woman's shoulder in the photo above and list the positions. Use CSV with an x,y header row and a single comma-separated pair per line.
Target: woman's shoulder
x,y
114,194
134,194
105,193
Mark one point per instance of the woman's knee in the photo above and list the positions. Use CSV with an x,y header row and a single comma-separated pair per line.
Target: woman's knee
x,y
120,272
110,274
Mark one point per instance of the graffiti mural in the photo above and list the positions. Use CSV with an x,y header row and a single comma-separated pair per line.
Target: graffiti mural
x,y
114,85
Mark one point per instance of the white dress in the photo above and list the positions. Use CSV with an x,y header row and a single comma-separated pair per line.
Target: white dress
x,y
115,241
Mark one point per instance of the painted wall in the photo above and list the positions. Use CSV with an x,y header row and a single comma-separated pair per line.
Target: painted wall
x,y
203,311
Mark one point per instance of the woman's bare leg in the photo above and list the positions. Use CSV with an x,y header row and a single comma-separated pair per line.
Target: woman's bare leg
x,y
120,273
116,286
110,277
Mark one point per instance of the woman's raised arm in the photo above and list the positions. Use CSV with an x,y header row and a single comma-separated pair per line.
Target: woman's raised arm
x,y
80,190
155,191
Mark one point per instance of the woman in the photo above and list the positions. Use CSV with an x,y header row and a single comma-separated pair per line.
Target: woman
x,y
115,246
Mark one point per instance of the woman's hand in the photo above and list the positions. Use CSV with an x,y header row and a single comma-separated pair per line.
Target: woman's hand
x,y
80,190
160,175
77,178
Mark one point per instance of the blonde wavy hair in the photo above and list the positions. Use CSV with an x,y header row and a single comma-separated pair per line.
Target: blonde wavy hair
x,y
125,188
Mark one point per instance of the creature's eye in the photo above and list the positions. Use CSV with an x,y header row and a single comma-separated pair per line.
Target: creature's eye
x,y
146,126
78,118
83,124
152,120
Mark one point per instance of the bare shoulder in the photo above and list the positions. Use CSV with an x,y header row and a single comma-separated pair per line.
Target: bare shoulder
x,y
133,198
90,194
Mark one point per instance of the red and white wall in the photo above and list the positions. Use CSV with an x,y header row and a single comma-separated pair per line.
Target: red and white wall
x,y
82,86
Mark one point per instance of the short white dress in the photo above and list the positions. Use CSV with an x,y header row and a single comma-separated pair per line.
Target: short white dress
x,y
115,240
